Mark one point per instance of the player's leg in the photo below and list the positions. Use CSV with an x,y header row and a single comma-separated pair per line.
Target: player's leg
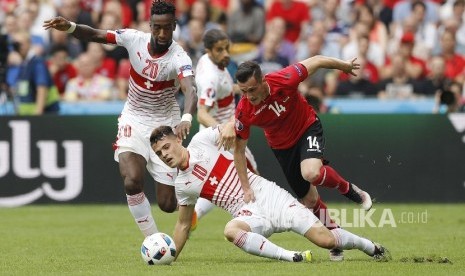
x,y
164,177
307,194
246,233
336,238
312,146
132,170
166,197
202,207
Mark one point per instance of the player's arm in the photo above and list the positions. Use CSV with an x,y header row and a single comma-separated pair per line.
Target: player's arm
x,y
183,225
189,90
240,162
204,117
314,63
227,134
79,31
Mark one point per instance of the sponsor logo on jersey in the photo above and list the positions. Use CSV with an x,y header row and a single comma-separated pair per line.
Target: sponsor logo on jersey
x,y
211,93
298,70
239,125
120,31
185,68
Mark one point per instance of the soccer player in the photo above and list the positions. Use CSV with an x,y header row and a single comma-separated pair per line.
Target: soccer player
x,y
215,96
205,171
293,131
159,66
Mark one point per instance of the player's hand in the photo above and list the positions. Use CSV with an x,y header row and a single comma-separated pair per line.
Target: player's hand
x,y
182,130
249,196
227,136
351,65
58,23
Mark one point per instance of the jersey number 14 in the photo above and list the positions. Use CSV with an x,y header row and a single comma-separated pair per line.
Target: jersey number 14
x,y
277,108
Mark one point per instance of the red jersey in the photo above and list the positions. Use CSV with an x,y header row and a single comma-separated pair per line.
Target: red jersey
x,y
284,115
294,15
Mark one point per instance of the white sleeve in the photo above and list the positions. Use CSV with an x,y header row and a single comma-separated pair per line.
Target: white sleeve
x,y
123,37
207,136
206,87
183,64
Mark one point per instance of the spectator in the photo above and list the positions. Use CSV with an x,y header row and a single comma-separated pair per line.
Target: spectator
x,y
455,22
194,45
294,13
246,24
60,68
286,48
403,10
332,44
400,85
323,82
88,86
415,67
71,10
73,46
455,63
32,83
201,11
105,66
112,21
358,86
425,32
375,52
369,70
121,9
12,27
378,31
436,81
270,60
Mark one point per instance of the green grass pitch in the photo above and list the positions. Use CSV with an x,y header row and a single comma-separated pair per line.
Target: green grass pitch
x,y
104,240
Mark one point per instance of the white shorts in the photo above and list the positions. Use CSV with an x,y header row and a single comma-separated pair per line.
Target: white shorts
x,y
135,137
275,210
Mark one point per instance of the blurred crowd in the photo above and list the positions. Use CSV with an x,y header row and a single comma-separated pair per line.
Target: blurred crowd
x,y
407,48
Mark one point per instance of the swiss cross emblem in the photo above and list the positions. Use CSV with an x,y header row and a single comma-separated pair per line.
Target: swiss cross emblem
x,y
148,84
213,180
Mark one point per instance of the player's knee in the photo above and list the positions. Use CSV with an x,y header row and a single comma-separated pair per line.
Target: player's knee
x,y
167,205
132,185
230,231
310,174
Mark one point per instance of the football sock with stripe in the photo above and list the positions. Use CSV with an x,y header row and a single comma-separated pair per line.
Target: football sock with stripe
x,y
139,206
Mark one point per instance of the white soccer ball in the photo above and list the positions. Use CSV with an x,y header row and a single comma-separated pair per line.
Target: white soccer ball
x,y
158,249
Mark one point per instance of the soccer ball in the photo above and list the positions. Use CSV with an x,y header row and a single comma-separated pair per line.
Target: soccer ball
x,y
158,249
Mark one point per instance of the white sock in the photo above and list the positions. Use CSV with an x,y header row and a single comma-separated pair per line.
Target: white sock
x,y
202,207
258,245
347,240
140,209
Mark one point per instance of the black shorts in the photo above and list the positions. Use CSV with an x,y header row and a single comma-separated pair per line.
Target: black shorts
x,y
310,145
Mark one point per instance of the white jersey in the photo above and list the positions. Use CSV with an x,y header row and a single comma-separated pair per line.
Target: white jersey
x,y
153,80
215,89
211,175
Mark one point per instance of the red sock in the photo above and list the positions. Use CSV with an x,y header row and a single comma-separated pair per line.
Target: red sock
x,y
331,179
321,212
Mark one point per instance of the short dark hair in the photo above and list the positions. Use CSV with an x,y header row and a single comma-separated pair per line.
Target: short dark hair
x,y
248,69
212,36
162,7
159,133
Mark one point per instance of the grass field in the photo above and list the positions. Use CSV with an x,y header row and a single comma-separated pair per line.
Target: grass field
x,y
104,240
